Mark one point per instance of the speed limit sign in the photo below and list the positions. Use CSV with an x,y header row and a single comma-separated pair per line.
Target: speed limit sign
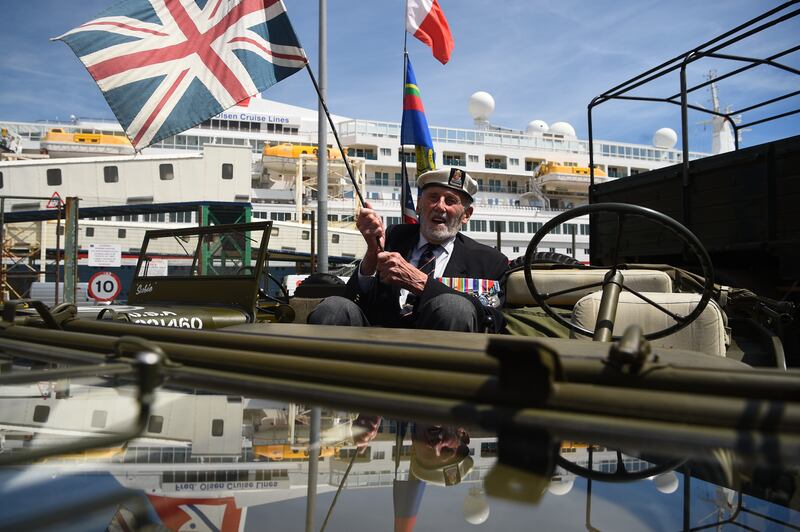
x,y
104,286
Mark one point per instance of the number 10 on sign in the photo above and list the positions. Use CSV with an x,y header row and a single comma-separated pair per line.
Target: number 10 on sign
x,y
104,286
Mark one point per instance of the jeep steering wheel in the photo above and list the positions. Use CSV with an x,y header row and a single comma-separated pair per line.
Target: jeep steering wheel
x,y
248,270
622,210
620,473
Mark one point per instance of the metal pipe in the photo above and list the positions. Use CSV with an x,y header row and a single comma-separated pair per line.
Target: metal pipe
x,y
685,144
322,143
683,439
147,368
58,255
677,407
71,249
2,249
687,497
313,465
607,313
585,367
735,72
669,66
470,388
605,428
19,377
591,149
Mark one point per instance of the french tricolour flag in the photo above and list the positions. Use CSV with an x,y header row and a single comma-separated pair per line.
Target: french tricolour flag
x,y
425,21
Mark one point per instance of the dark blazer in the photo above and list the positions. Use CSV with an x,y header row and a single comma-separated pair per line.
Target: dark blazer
x,y
469,259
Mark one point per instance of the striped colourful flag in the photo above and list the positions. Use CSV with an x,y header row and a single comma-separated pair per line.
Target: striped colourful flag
x,y
414,127
407,498
414,131
425,21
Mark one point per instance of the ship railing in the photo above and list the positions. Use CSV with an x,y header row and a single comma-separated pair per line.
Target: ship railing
x,y
441,135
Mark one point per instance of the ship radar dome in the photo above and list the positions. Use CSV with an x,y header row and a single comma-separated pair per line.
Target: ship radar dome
x,y
476,509
666,482
537,126
481,106
563,128
561,486
665,138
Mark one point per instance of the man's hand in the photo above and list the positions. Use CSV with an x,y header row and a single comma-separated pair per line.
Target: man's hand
x,y
395,270
365,428
371,227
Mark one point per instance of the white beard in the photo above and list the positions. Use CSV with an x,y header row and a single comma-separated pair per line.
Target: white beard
x,y
440,233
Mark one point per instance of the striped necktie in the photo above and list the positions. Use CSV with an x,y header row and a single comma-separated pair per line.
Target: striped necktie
x,y
427,261
426,264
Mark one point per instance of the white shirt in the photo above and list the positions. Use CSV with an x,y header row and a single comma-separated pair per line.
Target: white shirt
x,y
442,255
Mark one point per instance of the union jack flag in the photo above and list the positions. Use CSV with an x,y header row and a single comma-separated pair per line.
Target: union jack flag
x,y
408,210
167,65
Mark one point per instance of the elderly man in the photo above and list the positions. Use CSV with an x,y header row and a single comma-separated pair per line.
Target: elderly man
x,y
396,284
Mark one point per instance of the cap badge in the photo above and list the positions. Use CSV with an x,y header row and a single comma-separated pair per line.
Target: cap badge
x,y
456,178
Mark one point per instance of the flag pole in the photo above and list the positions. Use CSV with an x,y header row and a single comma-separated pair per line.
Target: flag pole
x,y
322,143
403,166
335,135
404,188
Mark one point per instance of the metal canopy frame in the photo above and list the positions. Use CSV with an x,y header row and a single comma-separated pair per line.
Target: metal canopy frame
x,y
711,49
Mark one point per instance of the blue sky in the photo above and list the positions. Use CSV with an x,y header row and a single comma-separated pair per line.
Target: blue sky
x,y
540,60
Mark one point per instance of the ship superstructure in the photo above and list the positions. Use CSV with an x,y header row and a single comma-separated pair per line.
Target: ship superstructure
x,y
524,177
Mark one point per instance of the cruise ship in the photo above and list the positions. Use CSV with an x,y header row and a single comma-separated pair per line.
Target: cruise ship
x,y
525,176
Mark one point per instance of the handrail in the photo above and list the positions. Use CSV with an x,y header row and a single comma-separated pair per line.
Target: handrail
x,y
710,49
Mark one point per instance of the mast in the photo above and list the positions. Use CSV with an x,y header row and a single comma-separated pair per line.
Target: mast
x,y
322,144
722,140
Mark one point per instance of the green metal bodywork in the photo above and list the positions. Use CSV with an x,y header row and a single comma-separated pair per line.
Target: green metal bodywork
x,y
221,288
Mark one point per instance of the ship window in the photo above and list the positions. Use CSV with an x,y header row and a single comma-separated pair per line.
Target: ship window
x,y
53,177
515,249
569,251
121,233
495,226
305,235
488,449
155,424
386,152
90,231
275,231
165,172
110,174
217,426
335,238
534,226
41,413
472,158
99,418
477,225
227,171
